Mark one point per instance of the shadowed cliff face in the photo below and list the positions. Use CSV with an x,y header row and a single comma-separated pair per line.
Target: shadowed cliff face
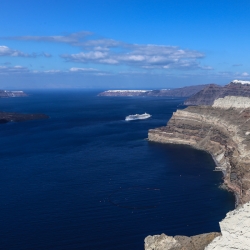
x,y
224,133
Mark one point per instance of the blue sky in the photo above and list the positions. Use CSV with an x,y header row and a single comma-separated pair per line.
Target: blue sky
x,y
123,43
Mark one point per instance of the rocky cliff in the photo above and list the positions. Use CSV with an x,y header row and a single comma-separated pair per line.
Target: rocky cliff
x,y
223,130
178,92
210,93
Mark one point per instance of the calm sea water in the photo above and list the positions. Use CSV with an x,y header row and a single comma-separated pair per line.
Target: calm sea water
x,y
87,179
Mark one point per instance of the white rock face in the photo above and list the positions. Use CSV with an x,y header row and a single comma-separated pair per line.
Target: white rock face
x,y
232,102
235,229
241,82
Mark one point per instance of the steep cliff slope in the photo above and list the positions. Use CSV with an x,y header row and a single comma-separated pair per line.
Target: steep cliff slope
x,y
208,95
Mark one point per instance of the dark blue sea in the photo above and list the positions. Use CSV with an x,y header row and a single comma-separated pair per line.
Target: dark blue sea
x,y
87,179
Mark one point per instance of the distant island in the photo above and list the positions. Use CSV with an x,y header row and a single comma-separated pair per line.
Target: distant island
x,y
176,92
17,117
7,93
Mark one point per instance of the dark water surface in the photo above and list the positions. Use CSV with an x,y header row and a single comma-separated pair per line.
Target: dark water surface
x,y
87,179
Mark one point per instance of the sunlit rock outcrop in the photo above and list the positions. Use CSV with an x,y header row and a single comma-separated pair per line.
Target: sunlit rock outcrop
x,y
235,229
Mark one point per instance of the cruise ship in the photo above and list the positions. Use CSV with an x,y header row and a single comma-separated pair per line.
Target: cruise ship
x,y
137,117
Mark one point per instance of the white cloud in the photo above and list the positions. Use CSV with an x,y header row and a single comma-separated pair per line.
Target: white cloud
x,y
112,52
82,69
245,74
6,51
13,70
52,71
87,57
207,67
71,38
101,44
145,56
46,54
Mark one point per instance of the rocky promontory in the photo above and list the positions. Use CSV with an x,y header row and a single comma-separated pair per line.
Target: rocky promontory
x,y
16,117
223,130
